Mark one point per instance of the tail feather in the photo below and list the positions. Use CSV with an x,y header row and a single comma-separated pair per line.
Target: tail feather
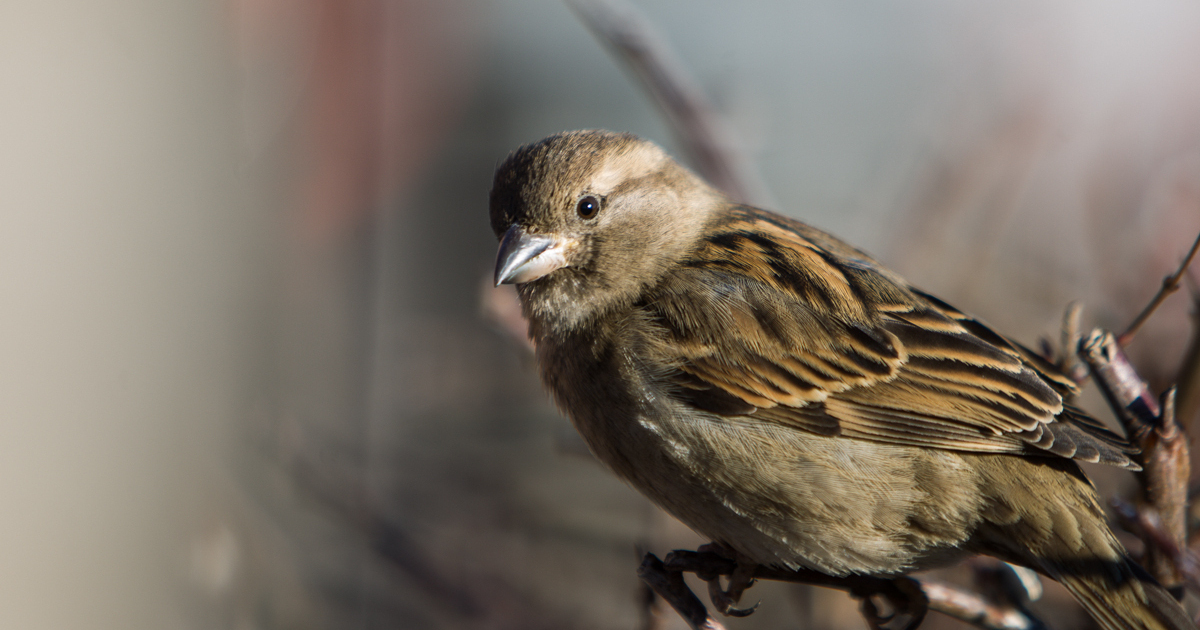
x,y
1060,530
1134,601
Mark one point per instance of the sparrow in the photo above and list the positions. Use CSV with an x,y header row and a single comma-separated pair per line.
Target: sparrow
x,y
790,398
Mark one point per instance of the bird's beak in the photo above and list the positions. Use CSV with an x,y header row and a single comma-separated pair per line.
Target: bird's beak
x,y
524,257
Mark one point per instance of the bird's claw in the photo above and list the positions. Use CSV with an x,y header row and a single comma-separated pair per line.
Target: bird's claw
x,y
742,578
723,600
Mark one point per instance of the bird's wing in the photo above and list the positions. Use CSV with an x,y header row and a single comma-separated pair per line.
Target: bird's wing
x,y
780,321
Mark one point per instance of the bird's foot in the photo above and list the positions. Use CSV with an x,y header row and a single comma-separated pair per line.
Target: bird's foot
x,y
742,578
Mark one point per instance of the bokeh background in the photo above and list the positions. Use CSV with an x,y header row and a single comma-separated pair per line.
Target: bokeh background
x,y
247,379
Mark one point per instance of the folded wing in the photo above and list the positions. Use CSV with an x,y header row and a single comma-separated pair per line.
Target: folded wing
x,y
813,334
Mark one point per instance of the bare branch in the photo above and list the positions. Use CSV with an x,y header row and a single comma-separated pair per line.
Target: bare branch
x,y
1127,394
907,597
669,585
500,306
1147,525
348,500
1188,380
1170,285
1068,359
975,609
1166,466
703,133
1166,469
902,594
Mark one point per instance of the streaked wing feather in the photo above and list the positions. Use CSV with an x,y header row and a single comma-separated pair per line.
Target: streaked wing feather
x,y
811,333
1048,371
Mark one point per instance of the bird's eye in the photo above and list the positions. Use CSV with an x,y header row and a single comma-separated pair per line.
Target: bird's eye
x,y
587,206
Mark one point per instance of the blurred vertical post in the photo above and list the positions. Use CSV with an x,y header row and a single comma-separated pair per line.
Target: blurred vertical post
x,y
126,277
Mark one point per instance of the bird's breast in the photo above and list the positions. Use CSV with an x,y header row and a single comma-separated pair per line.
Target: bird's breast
x,y
781,496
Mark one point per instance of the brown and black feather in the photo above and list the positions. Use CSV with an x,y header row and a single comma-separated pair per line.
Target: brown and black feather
x,y
816,335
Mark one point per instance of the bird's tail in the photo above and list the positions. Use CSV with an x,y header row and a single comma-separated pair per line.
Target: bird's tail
x,y
1059,529
1122,596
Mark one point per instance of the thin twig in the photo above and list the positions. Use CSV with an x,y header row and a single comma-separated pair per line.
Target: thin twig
x,y
1166,470
392,544
1187,382
1068,359
1152,425
704,134
975,609
1147,525
500,306
1126,392
907,597
1170,285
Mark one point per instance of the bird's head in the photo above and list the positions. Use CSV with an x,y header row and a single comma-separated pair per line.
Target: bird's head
x,y
588,219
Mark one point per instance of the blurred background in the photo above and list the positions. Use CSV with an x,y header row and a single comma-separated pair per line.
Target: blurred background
x,y
248,379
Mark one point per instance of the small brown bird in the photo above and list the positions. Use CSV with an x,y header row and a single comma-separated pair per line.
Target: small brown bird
x,y
787,396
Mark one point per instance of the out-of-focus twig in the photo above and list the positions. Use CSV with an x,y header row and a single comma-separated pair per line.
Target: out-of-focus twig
x,y
347,500
1068,359
500,306
1148,525
1166,470
703,133
1187,383
975,609
652,619
1170,284
1000,599
1165,461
